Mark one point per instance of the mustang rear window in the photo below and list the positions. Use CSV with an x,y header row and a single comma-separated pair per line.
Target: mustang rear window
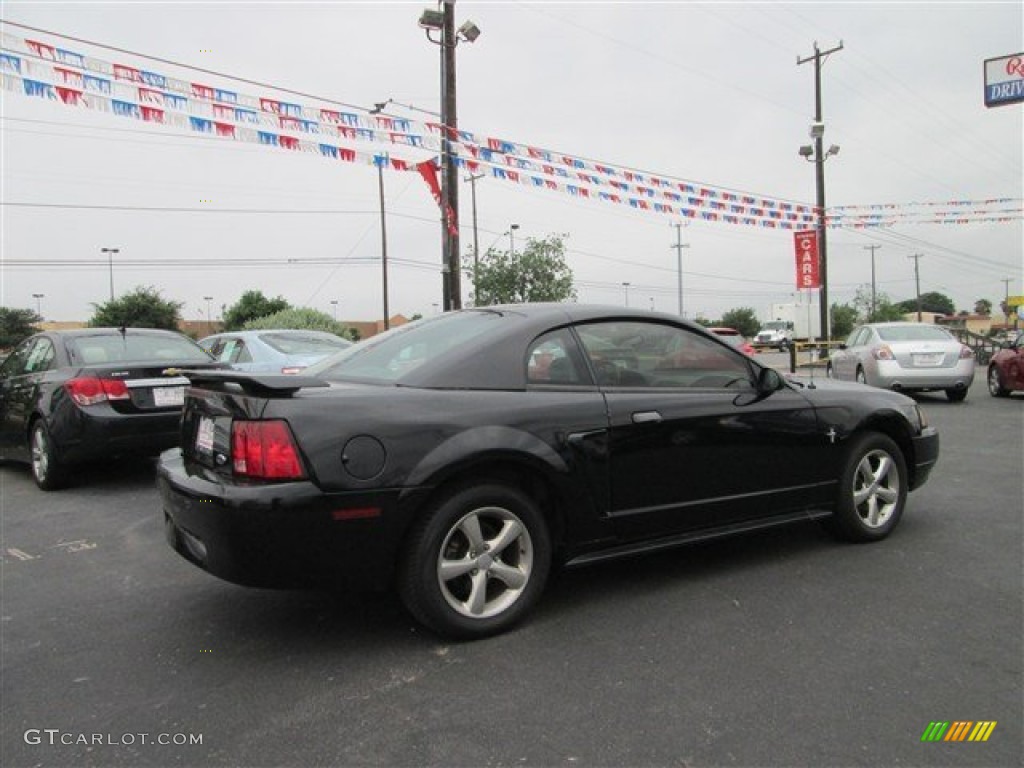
x,y
391,355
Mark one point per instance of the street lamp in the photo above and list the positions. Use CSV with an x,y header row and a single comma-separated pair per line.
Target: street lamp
x,y
812,153
512,239
334,309
209,324
39,304
442,22
472,179
625,287
110,260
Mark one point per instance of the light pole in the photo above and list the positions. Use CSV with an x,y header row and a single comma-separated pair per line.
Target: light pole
x,y
625,287
679,262
39,303
209,324
442,22
872,248
110,260
334,309
476,243
512,239
817,132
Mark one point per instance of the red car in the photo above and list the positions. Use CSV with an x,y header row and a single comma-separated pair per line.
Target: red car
x,y
1006,369
734,338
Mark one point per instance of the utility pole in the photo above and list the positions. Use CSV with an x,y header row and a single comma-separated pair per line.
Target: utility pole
x,y
819,162
679,261
383,245
450,180
917,281
874,304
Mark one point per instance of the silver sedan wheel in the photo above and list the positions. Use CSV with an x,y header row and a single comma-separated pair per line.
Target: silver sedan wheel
x,y
485,562
876,488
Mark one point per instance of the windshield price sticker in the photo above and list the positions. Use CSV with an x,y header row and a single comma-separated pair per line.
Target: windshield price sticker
x,y
204,435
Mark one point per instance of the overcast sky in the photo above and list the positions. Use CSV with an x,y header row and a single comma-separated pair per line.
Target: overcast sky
x,y
710,94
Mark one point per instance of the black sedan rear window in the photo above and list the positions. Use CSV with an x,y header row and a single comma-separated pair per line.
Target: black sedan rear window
x,y
115,348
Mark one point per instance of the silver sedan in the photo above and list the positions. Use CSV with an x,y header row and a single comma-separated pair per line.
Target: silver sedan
x,y
911,357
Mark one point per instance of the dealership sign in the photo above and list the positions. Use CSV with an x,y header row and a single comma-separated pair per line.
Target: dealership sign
x,y
1004,80
807,274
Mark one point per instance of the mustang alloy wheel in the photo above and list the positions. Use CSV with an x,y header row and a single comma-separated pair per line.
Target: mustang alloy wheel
x,y
872,489
47,470
477,563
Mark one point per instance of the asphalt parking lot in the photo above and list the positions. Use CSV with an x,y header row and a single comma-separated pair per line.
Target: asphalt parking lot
x,y
775,649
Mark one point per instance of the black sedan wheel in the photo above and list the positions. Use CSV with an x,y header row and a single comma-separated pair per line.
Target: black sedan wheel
x,y
995,384
47,470
872,489
477,563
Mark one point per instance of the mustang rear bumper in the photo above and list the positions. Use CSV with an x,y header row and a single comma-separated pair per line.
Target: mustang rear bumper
x,y
281,535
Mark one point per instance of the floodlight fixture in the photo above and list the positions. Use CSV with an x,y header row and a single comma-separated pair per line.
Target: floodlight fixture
x,y
817,130
469,32
431,19
833,150
806,151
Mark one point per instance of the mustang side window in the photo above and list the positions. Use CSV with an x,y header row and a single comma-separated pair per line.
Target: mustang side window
x,y
641,354
550,361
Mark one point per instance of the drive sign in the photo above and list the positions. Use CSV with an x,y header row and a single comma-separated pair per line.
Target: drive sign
x,y
807,275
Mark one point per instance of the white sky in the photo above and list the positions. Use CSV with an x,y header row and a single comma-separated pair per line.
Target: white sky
x,y
706,92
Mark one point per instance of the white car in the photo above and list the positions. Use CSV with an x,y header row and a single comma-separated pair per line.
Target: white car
x,y
909,357
276,351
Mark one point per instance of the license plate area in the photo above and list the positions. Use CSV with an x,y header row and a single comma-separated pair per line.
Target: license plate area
x,y
167,397
927,361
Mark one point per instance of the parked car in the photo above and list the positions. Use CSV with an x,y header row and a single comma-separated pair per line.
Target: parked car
x,y
280,351
1006,369
67,397
463,456
735,339
909,357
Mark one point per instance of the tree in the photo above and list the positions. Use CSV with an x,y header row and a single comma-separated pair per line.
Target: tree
x,y
252,305
537,273
743,319
932,301
142,308
16,325
302,319
884,310
844,318
983,307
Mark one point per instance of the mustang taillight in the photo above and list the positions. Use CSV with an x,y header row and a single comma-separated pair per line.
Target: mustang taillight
x,y
90,390
882,353
265,450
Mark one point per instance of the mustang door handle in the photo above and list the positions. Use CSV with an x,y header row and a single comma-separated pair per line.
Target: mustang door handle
x,y
646,417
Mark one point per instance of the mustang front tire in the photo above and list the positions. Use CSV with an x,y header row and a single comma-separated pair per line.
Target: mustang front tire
x,y
872,489
477,562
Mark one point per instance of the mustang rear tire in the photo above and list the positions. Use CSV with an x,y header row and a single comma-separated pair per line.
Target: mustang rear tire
x,y
872,489
476,563
47,469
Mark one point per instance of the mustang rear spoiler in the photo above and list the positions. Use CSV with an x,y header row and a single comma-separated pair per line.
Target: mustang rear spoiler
x,y
261,384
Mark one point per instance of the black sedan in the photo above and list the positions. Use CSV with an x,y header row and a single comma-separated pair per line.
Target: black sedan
x,y
460,457
67,397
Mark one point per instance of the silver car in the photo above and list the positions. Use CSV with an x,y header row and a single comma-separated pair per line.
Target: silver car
x,y
911,357
277,351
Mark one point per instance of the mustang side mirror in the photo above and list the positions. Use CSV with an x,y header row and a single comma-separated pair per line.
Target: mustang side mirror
x,y
769,381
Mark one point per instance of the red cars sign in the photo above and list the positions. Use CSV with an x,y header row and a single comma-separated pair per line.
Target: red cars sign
x,y
807,275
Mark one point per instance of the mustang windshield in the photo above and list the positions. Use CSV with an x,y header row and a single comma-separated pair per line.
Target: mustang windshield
x,y
390,355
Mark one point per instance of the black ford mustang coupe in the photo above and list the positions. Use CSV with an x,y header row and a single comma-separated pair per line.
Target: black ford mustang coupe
x,y
461,457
